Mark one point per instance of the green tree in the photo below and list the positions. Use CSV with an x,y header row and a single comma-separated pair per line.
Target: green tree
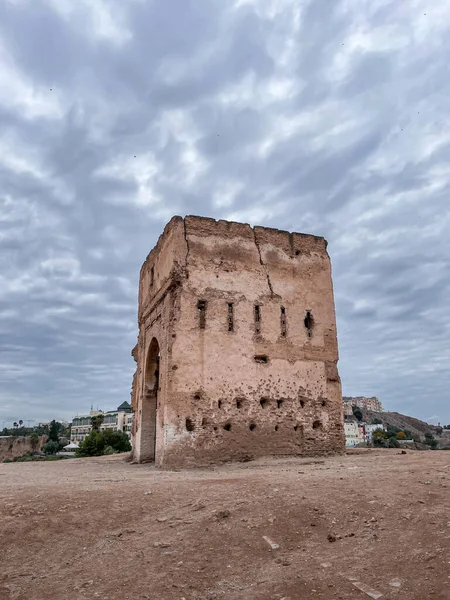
x,y
92,445
102,442
51,447
97,421
34,441
118,440
430,441
379,438
393,443
357,412
53,432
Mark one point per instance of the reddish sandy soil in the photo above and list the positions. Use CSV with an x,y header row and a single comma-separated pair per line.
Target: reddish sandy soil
x,y
371,522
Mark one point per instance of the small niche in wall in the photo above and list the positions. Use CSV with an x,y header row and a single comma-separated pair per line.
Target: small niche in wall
x,y
252,427
309,323
197,396
204,422
227,426
230,316
317,425
219,404
264,402
283,321
276,427
324,403
189,425
279,403
152,276
239,402
201,308
302,403
257,317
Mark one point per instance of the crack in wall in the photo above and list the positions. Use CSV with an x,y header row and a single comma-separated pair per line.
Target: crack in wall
x,y
263,264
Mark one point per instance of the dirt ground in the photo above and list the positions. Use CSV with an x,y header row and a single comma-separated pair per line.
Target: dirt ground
x,y
371,524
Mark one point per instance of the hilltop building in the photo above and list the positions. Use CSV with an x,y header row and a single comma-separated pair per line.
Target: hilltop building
x,y
372,404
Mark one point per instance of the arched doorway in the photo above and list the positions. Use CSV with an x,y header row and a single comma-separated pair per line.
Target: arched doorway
x,y
150,403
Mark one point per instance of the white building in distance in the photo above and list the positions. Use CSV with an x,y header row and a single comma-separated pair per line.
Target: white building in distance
x,y
117,420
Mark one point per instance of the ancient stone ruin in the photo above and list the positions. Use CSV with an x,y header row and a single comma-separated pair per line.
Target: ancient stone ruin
x,y
237,347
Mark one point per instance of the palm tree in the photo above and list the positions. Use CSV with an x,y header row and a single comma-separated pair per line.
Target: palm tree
x,y
96,422
15,424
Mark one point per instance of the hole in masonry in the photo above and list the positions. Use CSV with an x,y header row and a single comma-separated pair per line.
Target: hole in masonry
x,y
204,422
263,402
219,404
276,427
252,426
295,427
190,425
302,403
227,427
261,358
239,403
197,397
279,403
215,428
317,425
324,403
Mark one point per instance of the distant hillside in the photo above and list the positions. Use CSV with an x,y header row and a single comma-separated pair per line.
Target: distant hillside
x,y
415,426
403,422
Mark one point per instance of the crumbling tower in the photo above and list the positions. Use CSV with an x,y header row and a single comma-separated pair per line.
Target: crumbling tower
x,y
237,348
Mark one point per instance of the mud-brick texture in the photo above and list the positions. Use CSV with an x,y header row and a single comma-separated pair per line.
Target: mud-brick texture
x,y
237,349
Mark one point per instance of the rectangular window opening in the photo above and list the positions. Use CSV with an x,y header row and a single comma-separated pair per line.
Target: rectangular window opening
x,y
257,315
201,307
283,321
309,323
230,316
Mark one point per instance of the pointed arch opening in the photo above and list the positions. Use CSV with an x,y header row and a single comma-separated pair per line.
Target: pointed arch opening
x,y
150,402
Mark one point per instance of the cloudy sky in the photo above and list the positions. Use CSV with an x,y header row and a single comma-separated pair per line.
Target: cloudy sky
x,y
329,117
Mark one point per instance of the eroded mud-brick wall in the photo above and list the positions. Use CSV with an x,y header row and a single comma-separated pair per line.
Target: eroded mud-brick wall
x,y
237,347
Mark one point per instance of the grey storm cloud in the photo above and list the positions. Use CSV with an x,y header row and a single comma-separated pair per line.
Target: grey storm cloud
x,y
327,116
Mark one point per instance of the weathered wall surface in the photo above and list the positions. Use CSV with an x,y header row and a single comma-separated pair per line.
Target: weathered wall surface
x,y
10,447
215,400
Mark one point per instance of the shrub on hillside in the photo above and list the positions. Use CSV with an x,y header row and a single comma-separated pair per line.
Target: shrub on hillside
x,y
379,438
357,412
393,443
51,447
